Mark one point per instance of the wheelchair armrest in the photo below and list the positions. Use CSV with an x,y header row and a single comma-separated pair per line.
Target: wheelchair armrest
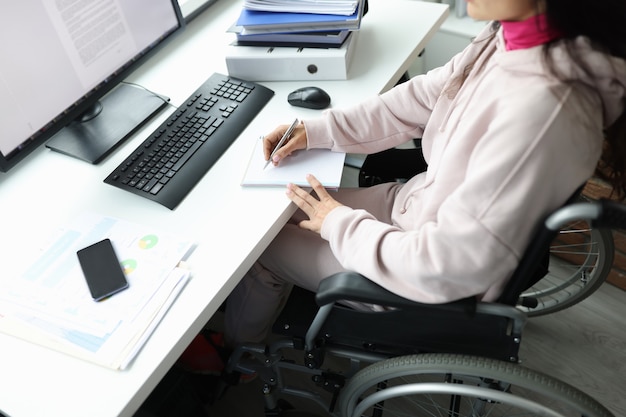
x,y
603,213
613,215
352,286
499,323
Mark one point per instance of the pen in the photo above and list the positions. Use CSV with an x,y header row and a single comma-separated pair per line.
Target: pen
x,y
282,141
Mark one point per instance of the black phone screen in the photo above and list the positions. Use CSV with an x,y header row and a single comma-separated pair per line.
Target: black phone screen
x,y
102,270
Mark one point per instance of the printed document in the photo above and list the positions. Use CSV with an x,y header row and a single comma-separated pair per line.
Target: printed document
x,y
50,303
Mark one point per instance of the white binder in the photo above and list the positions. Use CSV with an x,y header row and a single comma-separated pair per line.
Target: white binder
x,y
260,63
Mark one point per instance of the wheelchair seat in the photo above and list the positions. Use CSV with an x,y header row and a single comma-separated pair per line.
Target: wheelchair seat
x,y
464,326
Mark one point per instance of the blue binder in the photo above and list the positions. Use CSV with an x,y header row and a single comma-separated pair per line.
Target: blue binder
x,y
253,20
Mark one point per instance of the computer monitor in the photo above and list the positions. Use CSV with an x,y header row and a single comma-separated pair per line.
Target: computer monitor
x,y
61,73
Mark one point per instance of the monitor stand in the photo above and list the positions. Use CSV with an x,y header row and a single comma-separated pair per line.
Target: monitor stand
x,y
123,110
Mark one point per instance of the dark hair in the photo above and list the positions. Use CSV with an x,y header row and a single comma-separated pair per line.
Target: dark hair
x,y
603,22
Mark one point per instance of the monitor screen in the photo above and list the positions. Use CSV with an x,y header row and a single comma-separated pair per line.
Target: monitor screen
x,y
61,61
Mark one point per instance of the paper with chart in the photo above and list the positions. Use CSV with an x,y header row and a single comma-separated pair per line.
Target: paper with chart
x,y
50,303
327,167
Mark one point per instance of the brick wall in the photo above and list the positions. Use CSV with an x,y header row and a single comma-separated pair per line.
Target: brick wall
x,y
594,190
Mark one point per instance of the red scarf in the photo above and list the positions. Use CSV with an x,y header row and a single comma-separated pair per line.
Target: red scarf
x,y
528,33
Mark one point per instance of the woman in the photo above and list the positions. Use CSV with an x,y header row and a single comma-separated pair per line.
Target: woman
x,y
510,128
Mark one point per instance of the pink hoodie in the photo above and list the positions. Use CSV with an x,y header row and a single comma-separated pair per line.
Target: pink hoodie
x,y
512,145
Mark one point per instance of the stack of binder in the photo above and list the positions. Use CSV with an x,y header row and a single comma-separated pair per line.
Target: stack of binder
x,y
294,39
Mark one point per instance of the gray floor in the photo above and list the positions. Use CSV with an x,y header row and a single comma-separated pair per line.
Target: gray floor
x,y
584,346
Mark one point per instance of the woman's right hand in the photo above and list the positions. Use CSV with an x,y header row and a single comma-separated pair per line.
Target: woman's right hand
x,y
296,141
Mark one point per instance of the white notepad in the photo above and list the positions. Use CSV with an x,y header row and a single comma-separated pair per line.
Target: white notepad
x,y
325,165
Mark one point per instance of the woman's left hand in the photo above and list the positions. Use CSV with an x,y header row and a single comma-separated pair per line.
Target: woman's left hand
x,y
316,208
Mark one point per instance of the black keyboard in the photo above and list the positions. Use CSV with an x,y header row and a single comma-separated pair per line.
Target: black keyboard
x,y
173,159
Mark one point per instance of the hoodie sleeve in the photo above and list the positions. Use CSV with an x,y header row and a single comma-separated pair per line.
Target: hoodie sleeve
x,y
387,120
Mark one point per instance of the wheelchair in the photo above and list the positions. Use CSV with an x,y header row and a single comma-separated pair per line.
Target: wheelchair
x,y
456,359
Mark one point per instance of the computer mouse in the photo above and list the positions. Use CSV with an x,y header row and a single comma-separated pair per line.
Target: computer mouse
x,y
309,98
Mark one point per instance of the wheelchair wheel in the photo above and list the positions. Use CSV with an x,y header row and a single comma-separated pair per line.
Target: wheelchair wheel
x,y
581,258
460,386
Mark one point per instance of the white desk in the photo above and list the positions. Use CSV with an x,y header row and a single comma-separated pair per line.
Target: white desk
x,y
231,225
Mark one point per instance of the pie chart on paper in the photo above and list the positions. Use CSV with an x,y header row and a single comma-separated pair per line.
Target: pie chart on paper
x,y
129,265
148,241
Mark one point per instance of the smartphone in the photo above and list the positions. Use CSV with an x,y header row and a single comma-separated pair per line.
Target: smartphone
x,y
102,270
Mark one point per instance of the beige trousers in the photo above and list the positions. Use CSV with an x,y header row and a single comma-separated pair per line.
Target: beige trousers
x,y
295,257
